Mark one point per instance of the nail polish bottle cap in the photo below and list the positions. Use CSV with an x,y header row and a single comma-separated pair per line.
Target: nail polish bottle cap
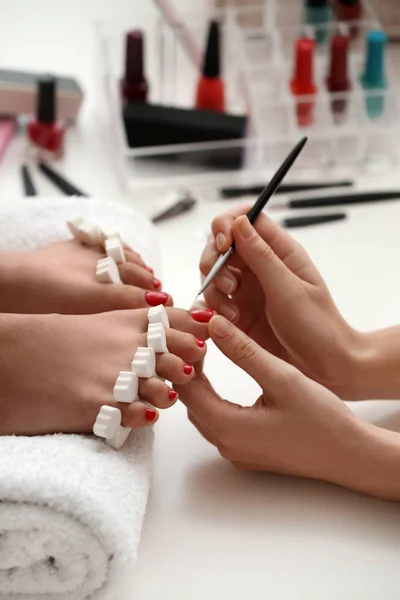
x,y
304,61
134,56
317,3
338,79
211,66
375,69
46,99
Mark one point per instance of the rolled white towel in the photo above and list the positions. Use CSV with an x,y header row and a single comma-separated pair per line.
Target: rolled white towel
x,y
71,508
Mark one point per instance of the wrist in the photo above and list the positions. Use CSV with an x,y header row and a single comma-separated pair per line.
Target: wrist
x,y
368,461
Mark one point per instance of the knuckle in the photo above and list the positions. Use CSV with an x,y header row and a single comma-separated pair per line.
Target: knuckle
x,y
245,349
264,251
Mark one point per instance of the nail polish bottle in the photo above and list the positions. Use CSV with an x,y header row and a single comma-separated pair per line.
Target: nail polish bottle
x,y
210,93
302,85
317,13
349,10
134,85
338,80
374,76
45,133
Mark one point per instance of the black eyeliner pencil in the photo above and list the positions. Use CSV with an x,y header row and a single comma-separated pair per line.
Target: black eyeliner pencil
x,y
253,213
309,220
59,181
27,182
285,188
343,199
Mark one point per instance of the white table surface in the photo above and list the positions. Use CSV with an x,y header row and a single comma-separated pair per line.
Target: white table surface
x,y
210,531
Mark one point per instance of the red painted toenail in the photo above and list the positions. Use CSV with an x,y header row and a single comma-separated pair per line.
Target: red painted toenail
x,y
202,316
149,269
156,298
187,369
200,343
156,283
150,415
172,395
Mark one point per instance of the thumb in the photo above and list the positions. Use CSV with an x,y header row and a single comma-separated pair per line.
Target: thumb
x,y
271,272
267,370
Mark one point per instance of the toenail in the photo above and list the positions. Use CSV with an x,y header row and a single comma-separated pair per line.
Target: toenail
x,y
202,316
227,311
156,298
149,269
156,283
150,415
172,395
187,369
200,343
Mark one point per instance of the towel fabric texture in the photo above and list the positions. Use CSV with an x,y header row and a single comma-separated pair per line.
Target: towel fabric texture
x,y
71,508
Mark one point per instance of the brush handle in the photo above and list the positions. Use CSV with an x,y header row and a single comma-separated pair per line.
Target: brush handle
x,y
312,220
344,199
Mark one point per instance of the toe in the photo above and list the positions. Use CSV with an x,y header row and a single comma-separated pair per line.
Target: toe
x,y
194,322
138,276
157,393
174,369
138,414
186,346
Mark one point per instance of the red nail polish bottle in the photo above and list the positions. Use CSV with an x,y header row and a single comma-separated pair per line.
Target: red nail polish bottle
x,y
338,79
210,93
302,84
46,134
134,85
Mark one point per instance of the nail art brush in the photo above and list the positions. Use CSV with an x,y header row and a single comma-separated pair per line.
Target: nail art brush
x,y
27,182
257,208
285,188
59,181
307,221
181,202
343,199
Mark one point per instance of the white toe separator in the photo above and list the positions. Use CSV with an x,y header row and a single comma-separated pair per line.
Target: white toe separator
x,y
120,438
144,362
126,387
115,250
107,422
85,232
156,337
107,271
158,314
107,233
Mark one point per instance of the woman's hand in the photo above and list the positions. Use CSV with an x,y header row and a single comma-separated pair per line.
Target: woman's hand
x,y
296,427
273,292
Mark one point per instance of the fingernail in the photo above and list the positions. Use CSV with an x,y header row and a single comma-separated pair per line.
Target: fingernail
x,y
150,415
202,316
149,269
245,228
172,395
228,312
225,284
200,343
220,241
156,298
187,369
220,327
156,283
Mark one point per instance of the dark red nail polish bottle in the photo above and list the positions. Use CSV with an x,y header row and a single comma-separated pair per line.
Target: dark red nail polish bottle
x,y
134,85
338,78
46,134
349,10
210,93
302,84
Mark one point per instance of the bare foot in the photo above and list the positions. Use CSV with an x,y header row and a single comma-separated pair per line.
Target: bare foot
x,y
56,371
60,278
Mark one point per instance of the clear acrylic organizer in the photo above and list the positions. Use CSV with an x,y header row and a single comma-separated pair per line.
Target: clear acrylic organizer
x,y
258,58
